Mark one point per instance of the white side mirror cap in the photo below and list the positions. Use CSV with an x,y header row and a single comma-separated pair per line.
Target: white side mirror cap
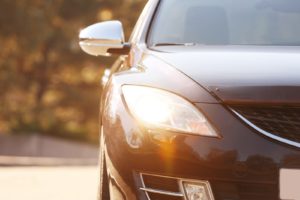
x,y
101,38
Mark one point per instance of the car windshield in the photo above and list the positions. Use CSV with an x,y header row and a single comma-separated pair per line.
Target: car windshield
x,y
226,22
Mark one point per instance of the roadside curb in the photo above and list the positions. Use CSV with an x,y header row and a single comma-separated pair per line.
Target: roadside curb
x,y
46,161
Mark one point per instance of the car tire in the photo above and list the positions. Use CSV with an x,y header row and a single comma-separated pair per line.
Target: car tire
x,y
103,193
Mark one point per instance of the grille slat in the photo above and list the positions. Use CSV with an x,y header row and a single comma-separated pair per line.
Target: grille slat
x,y
281,121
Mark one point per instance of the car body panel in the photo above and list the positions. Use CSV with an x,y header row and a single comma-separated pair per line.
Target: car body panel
x,y
212,78
244,157
240,74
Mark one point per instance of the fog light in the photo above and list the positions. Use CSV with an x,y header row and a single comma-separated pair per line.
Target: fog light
x,y
198,191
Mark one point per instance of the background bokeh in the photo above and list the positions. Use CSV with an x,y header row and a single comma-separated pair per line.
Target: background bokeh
x,y
47,85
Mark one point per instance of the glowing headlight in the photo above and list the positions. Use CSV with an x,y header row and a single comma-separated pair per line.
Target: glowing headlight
x,y
157,108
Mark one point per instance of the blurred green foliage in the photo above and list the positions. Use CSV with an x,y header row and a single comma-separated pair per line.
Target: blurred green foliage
x,y
47,84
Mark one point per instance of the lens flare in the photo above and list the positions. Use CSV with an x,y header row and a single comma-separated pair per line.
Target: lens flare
x,y
152,110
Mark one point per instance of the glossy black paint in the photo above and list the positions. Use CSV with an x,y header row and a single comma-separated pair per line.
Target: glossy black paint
x,y
240,155
211,78
241,73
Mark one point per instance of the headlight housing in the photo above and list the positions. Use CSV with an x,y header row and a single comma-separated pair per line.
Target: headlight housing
x,y
159,109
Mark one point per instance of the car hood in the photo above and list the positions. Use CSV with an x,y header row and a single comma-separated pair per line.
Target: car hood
x,y
240,74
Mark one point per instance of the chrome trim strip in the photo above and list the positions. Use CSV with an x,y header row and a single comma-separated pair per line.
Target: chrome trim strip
x,y
296,144
175,194
163,176
143,184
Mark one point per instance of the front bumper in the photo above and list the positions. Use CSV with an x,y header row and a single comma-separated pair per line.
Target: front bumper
x,y
241,165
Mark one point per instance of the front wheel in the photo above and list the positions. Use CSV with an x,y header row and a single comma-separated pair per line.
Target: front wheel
x,y
103,181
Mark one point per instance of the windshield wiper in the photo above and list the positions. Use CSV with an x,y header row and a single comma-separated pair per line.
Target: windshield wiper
x,y
175,44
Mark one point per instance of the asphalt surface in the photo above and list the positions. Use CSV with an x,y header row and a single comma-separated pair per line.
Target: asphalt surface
x,y
48,183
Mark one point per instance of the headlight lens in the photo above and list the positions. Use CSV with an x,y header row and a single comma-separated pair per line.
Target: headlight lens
x,y
157,108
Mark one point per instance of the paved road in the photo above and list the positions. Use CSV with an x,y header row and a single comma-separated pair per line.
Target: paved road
x,y
48,183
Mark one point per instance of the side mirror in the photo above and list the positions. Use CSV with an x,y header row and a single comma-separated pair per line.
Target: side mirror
x,y
103,39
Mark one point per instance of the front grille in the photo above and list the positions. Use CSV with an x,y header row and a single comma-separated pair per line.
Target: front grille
x,y
280,121
168,188
161,187
161,183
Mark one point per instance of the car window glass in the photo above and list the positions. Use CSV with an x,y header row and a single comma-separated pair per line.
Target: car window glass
x,y
227,22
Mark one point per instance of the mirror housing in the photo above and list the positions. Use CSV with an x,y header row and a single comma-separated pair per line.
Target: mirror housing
x,y
104,38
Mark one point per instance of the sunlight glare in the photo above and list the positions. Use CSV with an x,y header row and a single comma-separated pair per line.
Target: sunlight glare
x,y
153,110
